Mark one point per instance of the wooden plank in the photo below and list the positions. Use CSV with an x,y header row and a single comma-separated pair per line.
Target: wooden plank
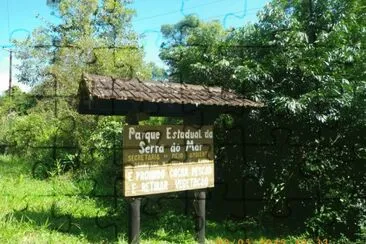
x,y
173,177
167,158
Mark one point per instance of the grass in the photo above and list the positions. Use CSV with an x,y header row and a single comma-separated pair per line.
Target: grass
x,y
62,209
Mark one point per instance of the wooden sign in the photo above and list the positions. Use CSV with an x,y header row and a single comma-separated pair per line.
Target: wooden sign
x,y
168,158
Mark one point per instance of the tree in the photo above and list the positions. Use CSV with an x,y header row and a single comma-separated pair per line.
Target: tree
x,y
90,36
157,73
93,36
191,51
306,61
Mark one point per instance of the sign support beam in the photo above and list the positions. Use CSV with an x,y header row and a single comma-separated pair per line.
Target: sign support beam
x,y
134,221
134,203
199,202
184,160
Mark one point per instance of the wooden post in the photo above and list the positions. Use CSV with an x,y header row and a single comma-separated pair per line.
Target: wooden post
x,y
134,203
199,202
200,212
134,221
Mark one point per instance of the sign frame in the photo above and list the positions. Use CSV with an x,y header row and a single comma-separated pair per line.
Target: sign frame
x,y
167,158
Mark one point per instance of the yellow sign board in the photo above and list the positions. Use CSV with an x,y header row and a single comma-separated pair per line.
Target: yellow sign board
x,y
159,159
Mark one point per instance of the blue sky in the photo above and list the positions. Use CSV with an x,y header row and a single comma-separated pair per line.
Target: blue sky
x,y
18,19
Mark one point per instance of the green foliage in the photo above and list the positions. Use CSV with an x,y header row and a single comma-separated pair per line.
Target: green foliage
x,y
105,142
191,51
39,211
18,103
157,73
90,36
306,61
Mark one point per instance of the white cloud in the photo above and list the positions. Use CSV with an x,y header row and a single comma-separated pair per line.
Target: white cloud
x,y
4,82
4,76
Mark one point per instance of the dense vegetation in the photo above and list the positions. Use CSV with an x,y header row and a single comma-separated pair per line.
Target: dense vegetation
x,y
64,210
306,61
303,154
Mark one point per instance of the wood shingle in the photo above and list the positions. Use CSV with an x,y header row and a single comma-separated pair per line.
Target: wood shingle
x,y
95,90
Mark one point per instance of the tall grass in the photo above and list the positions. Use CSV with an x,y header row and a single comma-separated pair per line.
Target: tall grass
x,y
66,209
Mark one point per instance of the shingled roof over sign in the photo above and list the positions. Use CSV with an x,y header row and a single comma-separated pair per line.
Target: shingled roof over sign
x,y
96,90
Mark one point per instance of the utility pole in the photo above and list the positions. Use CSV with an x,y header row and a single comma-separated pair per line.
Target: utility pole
x,y
10,70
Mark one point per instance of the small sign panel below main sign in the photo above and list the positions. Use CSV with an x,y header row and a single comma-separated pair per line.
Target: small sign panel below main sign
x,y
159,159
